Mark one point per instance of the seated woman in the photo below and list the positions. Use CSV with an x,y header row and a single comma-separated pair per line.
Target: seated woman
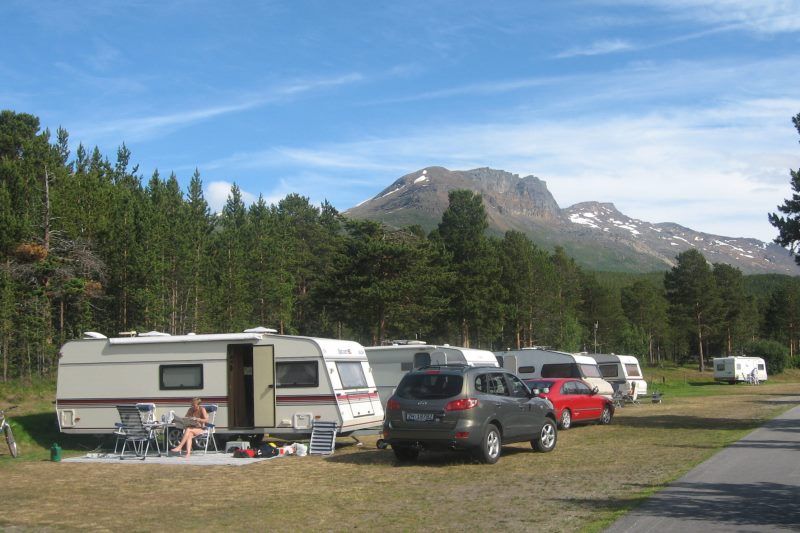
x,y
198,412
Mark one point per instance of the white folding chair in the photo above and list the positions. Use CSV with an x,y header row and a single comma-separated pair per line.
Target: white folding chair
x,y
207,435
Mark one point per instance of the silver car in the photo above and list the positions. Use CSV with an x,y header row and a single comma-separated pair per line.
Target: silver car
x,y
466,408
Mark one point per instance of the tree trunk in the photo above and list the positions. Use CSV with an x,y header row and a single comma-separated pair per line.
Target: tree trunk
x,y
700,344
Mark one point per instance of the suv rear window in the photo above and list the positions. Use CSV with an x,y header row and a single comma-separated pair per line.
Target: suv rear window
x,y
429,386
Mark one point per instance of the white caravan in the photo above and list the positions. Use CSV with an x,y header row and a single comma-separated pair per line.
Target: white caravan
x,y
390,363
733,369
261,382
623,372
529,363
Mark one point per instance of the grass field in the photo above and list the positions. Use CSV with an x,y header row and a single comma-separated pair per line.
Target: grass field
x,y
595,474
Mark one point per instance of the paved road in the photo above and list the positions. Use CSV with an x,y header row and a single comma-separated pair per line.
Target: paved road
x,y
753,485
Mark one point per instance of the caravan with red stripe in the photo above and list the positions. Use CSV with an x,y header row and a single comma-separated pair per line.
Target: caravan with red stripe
x,y
262,382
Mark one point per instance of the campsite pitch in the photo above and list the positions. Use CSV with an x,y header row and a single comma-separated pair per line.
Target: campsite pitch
x,y
595,474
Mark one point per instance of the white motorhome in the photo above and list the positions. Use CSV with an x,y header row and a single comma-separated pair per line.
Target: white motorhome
x,y
529,363
390,363
261,382
739,368
623,372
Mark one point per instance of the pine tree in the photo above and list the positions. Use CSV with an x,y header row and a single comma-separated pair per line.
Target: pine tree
x,y
789,226
475,307
692,294
645,307
196,227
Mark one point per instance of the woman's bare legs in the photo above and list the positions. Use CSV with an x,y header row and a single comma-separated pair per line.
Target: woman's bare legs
x,y
188,436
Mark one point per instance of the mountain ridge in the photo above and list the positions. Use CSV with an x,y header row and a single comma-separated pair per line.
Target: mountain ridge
x,y
595,233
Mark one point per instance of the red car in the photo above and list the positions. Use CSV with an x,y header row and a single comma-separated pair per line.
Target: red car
x,y
574,401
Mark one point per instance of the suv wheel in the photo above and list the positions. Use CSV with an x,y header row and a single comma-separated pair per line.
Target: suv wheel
x,y
405,453
489,450
546,441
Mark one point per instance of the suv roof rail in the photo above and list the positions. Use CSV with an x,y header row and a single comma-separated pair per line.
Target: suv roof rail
x,y
446,365
463,366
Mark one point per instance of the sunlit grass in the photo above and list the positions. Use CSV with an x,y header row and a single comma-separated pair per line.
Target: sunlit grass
x,y
595,474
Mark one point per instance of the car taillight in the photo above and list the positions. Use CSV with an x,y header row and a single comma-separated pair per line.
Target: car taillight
x,y
461,405
393,405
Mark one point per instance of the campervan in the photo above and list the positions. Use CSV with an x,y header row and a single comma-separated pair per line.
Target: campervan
x,y
733,369
623,372
260,381
530,363
390,363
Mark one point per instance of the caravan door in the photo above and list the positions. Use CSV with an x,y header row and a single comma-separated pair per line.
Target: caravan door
x,y
264,386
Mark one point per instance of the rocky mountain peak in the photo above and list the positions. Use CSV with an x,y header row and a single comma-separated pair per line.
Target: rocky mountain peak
x,y
596,234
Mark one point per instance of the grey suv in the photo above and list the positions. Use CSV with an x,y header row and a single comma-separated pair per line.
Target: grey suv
x,y
466,407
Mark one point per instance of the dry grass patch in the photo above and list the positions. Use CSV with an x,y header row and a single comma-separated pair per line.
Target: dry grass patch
x,y
595,473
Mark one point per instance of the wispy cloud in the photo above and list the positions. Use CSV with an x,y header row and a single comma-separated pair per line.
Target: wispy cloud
x,y
485,88
607,46
732,157
764,16
148,127
311,85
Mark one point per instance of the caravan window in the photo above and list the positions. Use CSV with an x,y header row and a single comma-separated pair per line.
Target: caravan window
x,y
560,370
590,371
422,359
296,374
609,371
352,375
720,366
633,370
173,377
526,370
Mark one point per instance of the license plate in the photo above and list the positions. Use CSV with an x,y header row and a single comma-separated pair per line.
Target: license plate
x,y
419,417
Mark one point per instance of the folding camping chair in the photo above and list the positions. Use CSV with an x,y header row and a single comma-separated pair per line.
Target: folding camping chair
x,y
136,432
207,435
618,398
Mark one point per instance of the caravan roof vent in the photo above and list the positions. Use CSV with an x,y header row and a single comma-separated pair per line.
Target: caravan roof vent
x,y
154,334
407,342
261,329
93,335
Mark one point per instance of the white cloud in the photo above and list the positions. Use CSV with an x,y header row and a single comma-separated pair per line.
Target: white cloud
x,y
763,16
149,127
696,168
608,46
216,194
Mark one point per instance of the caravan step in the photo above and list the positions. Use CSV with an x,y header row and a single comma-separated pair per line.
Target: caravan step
x,y
323,438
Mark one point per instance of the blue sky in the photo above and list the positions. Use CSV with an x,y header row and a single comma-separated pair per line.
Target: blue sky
x,y
675,111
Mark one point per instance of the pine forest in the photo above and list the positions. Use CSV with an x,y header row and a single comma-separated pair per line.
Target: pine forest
x,y
89,244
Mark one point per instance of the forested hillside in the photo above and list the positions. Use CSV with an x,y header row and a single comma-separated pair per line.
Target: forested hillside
x,y
90,244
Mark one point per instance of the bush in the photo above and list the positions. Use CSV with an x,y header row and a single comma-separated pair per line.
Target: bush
x,y
775,354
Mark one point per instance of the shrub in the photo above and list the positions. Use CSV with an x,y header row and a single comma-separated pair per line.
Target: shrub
x,y
775,354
